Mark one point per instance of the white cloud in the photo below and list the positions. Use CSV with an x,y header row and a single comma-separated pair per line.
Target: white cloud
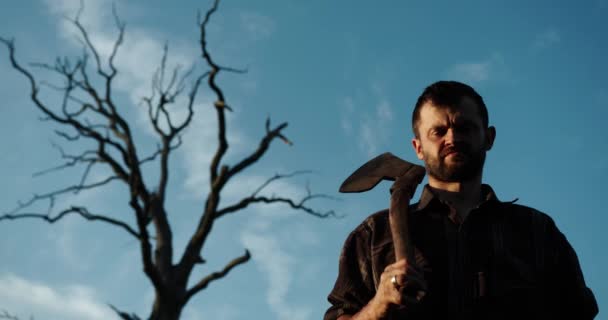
x,y
277,264
271,235
346,121
474,71
477,71
222,311
368,137
371,128
72,253
28,298
200,144
94,15
546,39
138,59
384,111
374,129
257,26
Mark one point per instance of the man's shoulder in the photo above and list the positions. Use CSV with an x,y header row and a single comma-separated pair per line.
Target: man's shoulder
x,y
518,212
376,223
378,219
516,208
381,217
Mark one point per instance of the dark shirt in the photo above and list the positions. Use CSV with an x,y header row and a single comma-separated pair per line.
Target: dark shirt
x,y
504,261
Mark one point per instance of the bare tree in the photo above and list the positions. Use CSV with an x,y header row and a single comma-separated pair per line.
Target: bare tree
x,y
87,93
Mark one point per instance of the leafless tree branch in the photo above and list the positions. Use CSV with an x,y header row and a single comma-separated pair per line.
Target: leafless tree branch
x,y
123,315
126,166
87,112
298,205
82,211
87,157
203,283
261,150
278,176
221,173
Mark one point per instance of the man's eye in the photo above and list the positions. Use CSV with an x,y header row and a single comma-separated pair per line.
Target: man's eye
x,y
438,131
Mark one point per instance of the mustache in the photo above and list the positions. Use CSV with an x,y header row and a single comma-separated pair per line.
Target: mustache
x,y
464,149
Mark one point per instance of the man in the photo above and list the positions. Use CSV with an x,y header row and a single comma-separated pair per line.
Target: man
x,y
476,257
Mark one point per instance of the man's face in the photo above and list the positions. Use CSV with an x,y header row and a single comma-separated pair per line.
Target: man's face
x,y
452,142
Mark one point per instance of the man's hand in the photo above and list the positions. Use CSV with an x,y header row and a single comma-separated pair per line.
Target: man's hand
x,y
402,285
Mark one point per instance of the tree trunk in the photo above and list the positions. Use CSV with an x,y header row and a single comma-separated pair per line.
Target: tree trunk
x,y
166,310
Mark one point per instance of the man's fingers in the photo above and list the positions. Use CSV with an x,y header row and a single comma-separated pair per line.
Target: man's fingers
x,y
420,295
401,269
404,283
409,300
411,287
407,284
399,265
398,280
414,272
404,267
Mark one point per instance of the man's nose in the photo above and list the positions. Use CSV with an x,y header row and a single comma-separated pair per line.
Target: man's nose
x,y
453,136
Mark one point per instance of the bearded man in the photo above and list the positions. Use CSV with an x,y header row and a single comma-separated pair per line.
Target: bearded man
x,y
476,257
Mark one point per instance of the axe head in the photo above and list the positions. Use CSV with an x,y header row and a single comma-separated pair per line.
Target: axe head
x,y
386,166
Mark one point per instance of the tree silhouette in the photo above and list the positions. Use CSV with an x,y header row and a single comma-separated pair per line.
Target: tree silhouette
x,y
88,112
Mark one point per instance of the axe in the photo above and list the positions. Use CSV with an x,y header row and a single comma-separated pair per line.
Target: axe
x,y
407,177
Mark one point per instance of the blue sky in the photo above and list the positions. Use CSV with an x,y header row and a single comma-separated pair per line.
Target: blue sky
x,y
345,75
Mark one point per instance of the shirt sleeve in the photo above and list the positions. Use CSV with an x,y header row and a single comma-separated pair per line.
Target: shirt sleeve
x,y
570,293
354,287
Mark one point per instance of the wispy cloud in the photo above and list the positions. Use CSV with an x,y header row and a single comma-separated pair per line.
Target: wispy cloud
x,y
64,244
27,298
477,71
95,16
137,61
271,248
278,265
384,111
346,120
546,39
369,127
200,143
257,26
224,311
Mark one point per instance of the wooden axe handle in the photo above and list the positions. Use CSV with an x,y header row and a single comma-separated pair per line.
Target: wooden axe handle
x,y
401,192
398,219
407,177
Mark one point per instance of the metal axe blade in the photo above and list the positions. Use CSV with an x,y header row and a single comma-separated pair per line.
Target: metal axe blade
x,y
390,167
386,166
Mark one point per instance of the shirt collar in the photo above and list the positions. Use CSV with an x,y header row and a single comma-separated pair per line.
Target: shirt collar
x,y
427,197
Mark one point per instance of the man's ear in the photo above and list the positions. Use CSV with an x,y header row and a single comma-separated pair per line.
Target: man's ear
x,y
490,136
417,148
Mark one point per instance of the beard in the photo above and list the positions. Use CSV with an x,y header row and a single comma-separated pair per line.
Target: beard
x,y
465,165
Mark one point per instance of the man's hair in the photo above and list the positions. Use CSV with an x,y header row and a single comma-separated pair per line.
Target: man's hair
x,y
448,94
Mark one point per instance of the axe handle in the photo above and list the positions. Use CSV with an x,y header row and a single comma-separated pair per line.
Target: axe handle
x,y
398,219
